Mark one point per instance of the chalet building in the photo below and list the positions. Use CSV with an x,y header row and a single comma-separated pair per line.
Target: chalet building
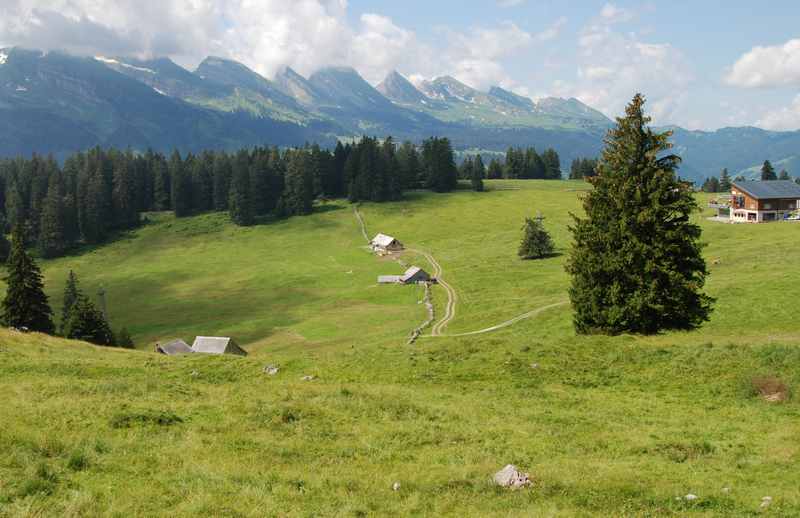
x,y
758,202
217,345
174,348
414,275
383,243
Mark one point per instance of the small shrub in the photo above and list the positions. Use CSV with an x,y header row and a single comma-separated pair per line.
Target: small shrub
x,y
43,482
148,417
681,452
78,461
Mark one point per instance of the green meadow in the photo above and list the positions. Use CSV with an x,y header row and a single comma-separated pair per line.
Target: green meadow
x,y
606,426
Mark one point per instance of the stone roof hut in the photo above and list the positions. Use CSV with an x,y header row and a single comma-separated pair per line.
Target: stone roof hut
x,y
174,348
217,345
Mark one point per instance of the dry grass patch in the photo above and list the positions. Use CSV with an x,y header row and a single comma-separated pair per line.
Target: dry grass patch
x,y
770,389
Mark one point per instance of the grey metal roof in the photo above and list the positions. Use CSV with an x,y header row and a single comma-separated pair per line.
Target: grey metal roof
x,y
216,345
388,279
383,240
175,347
414,271
770,189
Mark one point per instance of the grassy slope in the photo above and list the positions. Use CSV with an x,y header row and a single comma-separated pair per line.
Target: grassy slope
x,y
607,426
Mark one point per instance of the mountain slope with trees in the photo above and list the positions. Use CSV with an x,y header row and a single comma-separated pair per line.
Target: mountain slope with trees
x,y
60,104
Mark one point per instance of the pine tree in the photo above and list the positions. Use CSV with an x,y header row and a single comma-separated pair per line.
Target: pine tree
x,y
552,164
123,339
71,294
439,164
478,172
52,235
87,323
297,197
162,185
711,185
95,218
410,169
222,180
636,261
240,202
768,172
123,197
202,182
25,304
784,175
495,171
5,246
725,181
536,242
181,185
575,171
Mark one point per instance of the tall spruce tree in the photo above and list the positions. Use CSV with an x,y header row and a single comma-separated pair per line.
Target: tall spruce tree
x,y
71,294
95,214
25,304
298,193
768,172
477,171
495,171
181,184
725,181
439,164
222,181
87,323
636,261
5,245
240,202
52,235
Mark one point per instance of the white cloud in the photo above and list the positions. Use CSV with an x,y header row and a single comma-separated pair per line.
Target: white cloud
x,y
611,13
553,30
767,67
264,35
787,118
613,66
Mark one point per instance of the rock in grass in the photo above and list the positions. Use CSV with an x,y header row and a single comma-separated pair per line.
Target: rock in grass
x,y
308,378
396,486
690,497
766,501
271,370
512,478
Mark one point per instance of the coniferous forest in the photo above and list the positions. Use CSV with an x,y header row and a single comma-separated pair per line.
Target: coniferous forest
x,y
96,193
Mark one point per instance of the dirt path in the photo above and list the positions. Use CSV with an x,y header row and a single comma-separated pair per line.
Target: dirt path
x,y
452,296
507,323
361,223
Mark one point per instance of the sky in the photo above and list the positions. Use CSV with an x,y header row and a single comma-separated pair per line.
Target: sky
x,y
701,64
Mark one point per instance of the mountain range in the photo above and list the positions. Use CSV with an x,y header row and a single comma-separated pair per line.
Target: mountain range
x,y
52,102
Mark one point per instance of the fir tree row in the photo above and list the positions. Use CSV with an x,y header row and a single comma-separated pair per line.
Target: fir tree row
x,y
100,192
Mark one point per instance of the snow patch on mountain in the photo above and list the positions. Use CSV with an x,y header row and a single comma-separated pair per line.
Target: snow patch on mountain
x,y
110,61
3,58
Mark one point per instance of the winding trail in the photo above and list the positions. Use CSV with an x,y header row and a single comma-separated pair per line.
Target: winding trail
x,y
507,323
361,222
452,298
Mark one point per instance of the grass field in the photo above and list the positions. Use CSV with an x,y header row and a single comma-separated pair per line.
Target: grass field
x,y
607,426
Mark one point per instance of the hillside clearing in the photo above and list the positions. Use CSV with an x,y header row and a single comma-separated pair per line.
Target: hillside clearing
x,y
612,426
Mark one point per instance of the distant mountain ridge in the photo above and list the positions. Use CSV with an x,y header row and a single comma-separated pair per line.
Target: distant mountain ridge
x,y
54,102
